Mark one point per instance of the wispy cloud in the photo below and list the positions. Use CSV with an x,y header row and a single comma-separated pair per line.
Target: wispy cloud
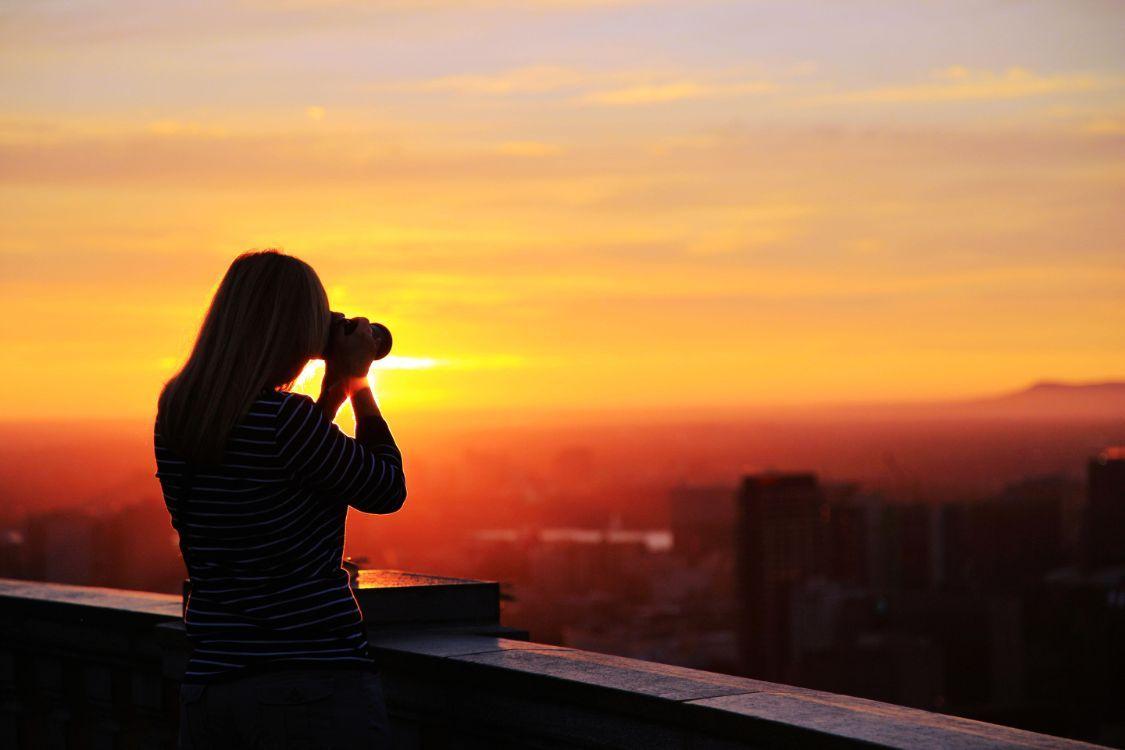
x,y
957,83
1105,126
639,87
422,5
672,91
614,88
1095,121
184,129
530,80
528,148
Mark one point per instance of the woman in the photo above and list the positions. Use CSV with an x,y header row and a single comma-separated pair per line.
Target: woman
x,y
258,481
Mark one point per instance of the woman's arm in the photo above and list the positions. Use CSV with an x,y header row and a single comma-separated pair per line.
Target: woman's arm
x,y
365,471
363,403
333,395
370,427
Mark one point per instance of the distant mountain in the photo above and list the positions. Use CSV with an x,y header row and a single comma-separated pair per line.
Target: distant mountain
x,y
1043,400
1052,399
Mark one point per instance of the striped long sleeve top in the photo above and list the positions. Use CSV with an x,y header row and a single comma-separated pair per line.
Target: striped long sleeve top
x,y
262,535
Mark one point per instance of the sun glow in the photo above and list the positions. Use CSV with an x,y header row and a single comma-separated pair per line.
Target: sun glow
x,y
314,370
308,383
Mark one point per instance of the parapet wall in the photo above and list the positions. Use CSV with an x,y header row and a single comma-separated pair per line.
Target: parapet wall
x,y
87,667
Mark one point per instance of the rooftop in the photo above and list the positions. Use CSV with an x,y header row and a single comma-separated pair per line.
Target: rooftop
x,y
83,666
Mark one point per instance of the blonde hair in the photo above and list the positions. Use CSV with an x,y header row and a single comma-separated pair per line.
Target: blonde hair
x,y
268,318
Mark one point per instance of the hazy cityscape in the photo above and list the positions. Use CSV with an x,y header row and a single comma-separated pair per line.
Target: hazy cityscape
x,y
997,595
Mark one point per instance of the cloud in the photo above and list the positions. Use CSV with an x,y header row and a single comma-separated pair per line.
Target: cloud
x,y
613,88
182,129
1090,120
672,91
1105,126
530,80
528,148
424,5
957,83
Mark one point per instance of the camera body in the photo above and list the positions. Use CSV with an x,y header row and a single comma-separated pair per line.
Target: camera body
x,y
380,332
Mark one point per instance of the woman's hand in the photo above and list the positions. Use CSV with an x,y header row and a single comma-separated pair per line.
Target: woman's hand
x,y
349,357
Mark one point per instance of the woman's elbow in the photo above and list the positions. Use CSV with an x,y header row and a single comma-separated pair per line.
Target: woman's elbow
x,y
396,500
382,503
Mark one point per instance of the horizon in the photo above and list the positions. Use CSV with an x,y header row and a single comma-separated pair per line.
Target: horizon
x,y
515,418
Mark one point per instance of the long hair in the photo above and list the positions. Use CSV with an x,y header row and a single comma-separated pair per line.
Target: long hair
x,y
268,318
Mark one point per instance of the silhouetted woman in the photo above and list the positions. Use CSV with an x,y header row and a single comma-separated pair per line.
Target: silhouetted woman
x,y
258,482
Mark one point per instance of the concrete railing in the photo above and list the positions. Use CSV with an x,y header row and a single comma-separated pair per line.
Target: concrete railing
x,y
88,667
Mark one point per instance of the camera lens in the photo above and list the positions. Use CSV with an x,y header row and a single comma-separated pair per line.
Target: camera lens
x,y
379,332
383,339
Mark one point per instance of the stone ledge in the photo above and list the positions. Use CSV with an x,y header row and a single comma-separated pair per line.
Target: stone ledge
x,y
878,724
92,601
679,707
396,597
454,681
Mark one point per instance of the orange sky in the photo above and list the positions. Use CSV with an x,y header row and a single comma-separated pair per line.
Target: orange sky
x,y
563,204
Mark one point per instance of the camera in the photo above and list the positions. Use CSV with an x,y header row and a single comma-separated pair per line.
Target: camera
x,y
379,332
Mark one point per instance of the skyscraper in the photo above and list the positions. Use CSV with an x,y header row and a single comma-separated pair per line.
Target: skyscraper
x,y
777,530
1105,511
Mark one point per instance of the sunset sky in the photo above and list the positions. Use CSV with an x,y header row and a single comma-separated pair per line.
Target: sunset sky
x,y
573,204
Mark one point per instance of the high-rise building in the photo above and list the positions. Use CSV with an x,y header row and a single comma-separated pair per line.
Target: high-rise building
x,y
850,520
1105,510
1010,541
779,525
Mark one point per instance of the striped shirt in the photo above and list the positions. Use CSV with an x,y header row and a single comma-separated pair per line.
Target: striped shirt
x,y
262,535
